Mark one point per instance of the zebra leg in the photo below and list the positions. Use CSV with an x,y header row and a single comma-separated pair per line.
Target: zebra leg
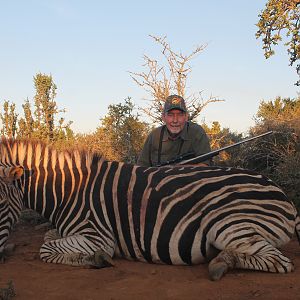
x,y
76,250
221,264
254,254
51,235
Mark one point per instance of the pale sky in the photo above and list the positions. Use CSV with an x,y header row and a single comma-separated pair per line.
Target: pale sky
x,y
89,47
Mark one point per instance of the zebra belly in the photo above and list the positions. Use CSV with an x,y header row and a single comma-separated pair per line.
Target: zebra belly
x,y
161,254
176,260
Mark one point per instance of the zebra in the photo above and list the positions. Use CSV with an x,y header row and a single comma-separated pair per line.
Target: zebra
x,y
181,215
10,204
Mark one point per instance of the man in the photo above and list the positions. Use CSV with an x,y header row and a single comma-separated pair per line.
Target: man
x,y
176,137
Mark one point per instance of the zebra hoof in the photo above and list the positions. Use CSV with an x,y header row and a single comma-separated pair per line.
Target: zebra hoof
x,y
101,260
217,269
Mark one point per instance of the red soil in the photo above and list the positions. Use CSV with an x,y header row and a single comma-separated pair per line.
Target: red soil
x,y
33,279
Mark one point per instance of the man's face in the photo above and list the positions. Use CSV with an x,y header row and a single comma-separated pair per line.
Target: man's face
x,y
175,120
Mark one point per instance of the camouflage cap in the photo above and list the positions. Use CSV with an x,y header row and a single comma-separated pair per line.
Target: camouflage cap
x,y
174,102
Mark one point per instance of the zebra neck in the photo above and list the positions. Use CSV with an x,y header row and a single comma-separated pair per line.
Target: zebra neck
x,y
40,195
53,193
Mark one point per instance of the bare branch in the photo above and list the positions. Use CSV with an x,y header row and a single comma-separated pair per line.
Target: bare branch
x,y
163,80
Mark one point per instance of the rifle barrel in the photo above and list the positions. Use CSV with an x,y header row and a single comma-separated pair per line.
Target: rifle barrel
x,y
203,157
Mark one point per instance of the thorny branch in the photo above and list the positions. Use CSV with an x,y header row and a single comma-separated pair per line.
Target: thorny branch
x,y
162,81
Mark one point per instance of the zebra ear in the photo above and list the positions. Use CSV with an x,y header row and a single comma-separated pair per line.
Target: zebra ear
x,y
15,173
9,174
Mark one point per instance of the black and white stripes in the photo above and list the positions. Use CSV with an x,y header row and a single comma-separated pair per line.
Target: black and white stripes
x,y
172,215
11,197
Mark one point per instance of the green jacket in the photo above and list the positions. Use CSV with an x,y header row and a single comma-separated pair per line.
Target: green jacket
x,y
192,139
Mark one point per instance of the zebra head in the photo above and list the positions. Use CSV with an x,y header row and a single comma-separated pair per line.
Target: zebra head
x,y
11,196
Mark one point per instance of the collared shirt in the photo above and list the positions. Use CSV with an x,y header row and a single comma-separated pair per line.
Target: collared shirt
x,y
191,139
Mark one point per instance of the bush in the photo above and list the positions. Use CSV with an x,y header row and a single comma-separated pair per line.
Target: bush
x,y
277,156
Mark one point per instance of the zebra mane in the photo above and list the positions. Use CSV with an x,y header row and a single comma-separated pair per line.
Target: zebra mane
x,y
17,152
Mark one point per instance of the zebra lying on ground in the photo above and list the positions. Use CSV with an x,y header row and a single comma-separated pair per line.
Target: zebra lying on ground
x,y
170,215
10,194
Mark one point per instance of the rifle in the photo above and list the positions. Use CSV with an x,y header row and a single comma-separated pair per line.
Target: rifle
x,y
178,159
190,158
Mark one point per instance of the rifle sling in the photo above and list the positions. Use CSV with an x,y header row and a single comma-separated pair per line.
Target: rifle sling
x,y
160,143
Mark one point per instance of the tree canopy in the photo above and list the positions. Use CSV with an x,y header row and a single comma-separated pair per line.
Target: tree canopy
x,y
9,119
280,110
41,123
120,135
281,18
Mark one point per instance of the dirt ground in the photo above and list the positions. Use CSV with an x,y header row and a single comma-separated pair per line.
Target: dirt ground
x,y
33,279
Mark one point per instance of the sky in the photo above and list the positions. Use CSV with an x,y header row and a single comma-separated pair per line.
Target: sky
x,y
89,47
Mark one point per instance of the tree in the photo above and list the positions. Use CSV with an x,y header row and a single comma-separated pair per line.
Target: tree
x,y
276,155
41,123
121,134
278,18
281,110
45,105
221,137
124,130
26,124
171,78
9,119
282,116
